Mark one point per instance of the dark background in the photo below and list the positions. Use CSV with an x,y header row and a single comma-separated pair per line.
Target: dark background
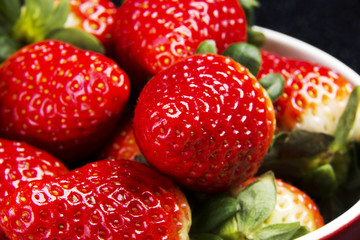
x,y
331,25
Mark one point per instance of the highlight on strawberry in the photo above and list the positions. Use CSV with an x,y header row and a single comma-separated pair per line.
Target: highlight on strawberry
x,y
118,199
149,36
86,24
21,163
220,140
61,99
205,121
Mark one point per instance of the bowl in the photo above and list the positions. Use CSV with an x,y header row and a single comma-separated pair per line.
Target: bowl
x,y
347,225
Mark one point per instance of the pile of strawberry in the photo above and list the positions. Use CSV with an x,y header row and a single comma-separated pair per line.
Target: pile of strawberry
x,y
165,119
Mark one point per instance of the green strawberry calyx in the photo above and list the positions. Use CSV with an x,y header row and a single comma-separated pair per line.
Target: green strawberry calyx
x,y
325,166
249,56
254,37
242,218
37,20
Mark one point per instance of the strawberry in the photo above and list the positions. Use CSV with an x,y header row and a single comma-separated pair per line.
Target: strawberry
x,y
150,36
319,111
60,98
86,24
311,93
261,208
123,144
22,163
102,200
205,121
93,16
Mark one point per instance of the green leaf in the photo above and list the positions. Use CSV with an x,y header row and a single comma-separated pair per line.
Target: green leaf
x,y
246,54
290,161
257,202
229,230
207,46
274,85
214,212
9,12
353,177
300,232
249,9
346,120
255,37
77,38
39,18
321,181
7,47
281,231
58,16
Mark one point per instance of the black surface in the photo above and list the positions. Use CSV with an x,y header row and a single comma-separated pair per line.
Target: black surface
x,y
331,25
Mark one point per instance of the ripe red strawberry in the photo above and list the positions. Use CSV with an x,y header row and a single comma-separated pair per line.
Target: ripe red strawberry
x,y
103,200
149,36
311,93
93,16
123,144
21,163
86,24
60,98
292,205
205,121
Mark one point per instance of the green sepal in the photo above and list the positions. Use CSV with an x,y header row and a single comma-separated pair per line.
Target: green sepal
x,y
78,38
7,47
274,85
301,232
352,181
207,46
141,159
249,9
280,231
214,212
290,161
256,38
9,13
39,18
246,54
257,202
320,181
346,120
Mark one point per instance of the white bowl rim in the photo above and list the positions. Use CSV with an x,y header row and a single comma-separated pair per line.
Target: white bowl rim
x,y
286,45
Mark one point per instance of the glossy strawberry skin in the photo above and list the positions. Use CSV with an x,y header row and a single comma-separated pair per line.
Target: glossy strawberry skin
x,y
102,200
149,36
60,98
21,164
311,93
292,205
205,121
123,144
93,16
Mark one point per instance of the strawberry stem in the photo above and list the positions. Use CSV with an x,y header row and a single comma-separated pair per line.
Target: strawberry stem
x,y
346,121
249,9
